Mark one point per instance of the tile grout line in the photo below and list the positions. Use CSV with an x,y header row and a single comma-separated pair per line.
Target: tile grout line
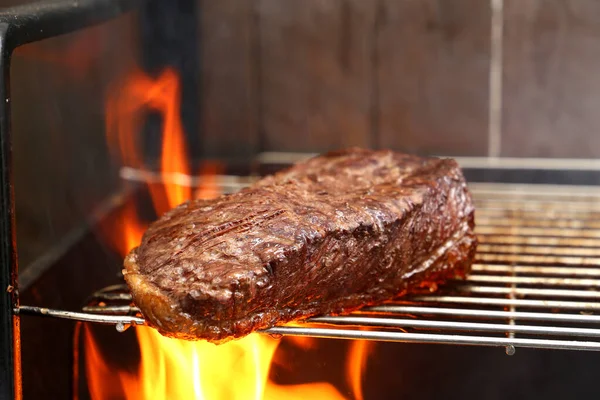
x,y
256,62
375,90
495,83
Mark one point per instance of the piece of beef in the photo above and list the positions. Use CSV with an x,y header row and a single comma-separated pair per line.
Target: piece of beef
x,y
327,236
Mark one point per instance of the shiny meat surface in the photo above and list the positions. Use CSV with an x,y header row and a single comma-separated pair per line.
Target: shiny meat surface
x,y
327,236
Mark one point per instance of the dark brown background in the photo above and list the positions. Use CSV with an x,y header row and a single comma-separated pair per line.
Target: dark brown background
x,y
315,75
407,74
309,76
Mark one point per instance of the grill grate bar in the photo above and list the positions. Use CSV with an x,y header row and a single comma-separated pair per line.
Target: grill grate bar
x,y
454,325
507,302
537,270
548,214
504,248
537,259
535,282
553,293
81,316
535,205
515,190
504,220
437,338
528,280
539,240
528,231
474,313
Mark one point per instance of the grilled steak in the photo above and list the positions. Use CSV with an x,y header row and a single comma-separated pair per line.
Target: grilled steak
x,y
326,236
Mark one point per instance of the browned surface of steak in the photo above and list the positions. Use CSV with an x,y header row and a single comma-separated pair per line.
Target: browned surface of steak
x,y
327,236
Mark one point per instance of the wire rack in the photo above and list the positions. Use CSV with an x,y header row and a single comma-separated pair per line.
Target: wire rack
x,y
534,283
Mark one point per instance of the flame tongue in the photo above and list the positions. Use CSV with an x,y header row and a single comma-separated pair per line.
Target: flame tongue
x,y
124,110
174,154
356,365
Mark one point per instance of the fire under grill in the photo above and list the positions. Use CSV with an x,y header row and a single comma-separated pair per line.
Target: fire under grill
x,y
534,283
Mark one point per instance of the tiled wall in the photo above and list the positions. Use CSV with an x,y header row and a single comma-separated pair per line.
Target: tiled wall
x,y
551,84
459,77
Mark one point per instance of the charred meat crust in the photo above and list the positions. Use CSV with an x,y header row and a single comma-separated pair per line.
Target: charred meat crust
x,y
327,236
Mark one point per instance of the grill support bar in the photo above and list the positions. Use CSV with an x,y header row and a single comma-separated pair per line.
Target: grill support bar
x,y
9,324
407,337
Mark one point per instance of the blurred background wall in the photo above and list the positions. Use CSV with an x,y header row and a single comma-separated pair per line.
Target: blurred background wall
x,y
413,75
459,78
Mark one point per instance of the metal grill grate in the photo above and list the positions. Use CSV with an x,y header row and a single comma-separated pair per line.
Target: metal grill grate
x,y
534,283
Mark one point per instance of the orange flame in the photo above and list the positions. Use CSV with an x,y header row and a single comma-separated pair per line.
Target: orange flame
x,y
304,342
106,385
178,369
125,231
124,110
356,365
208,187
170,368
166,99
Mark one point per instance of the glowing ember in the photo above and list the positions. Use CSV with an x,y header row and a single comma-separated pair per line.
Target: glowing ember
x,y
170,368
